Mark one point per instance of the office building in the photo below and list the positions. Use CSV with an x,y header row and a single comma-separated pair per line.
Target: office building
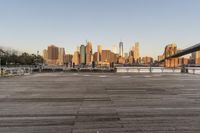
x,y
136,51
82,55
76,58
61,56
121,60
52,54
108,56
121,50
45,55
89,53
130,60
68,58
147,60
99,50
95,57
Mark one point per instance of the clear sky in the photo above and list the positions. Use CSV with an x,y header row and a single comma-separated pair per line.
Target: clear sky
x,y
31,25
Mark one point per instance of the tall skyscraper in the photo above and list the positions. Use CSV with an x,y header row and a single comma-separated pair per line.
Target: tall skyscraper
x,y
82,54
137,51
89,53
99,55
76,58
52,54
121,50
61,56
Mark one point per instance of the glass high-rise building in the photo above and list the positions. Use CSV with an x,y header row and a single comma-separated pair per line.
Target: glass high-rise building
x,y
82,54
121,50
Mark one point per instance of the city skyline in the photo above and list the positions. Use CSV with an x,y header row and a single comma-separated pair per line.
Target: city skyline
x,y
84,56
32,25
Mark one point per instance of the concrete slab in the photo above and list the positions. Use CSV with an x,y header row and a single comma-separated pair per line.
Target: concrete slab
x,y
100,102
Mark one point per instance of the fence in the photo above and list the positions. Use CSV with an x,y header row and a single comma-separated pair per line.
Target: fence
x,y
193,70
190,70
15,71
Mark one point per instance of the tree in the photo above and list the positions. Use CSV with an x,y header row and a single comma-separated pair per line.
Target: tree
x,y
23,59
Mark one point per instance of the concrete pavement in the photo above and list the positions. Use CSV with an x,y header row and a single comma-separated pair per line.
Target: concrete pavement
x,y
100,102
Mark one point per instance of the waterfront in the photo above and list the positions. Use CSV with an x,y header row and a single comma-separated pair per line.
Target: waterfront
x,y
100,102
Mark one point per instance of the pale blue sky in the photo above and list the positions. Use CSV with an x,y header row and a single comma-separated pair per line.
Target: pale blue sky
x,y
33,24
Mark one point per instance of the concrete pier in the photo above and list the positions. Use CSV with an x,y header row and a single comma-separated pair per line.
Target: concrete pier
x,y
100,103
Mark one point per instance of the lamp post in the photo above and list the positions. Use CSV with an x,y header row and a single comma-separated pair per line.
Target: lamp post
x,y
0,62
1,51
0,59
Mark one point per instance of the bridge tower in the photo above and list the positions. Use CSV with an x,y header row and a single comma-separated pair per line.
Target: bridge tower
x,y
170,50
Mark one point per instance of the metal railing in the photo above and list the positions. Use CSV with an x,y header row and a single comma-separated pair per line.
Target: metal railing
x,y
15,71
190,70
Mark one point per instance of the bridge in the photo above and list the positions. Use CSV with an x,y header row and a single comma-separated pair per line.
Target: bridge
x,y
186,51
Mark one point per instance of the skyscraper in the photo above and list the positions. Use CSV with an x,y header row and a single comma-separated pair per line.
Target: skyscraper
x,y
52,54
89,53
95,56
68,58
45,55
121,50
136,51
99,55
61,56
76,58
82,54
